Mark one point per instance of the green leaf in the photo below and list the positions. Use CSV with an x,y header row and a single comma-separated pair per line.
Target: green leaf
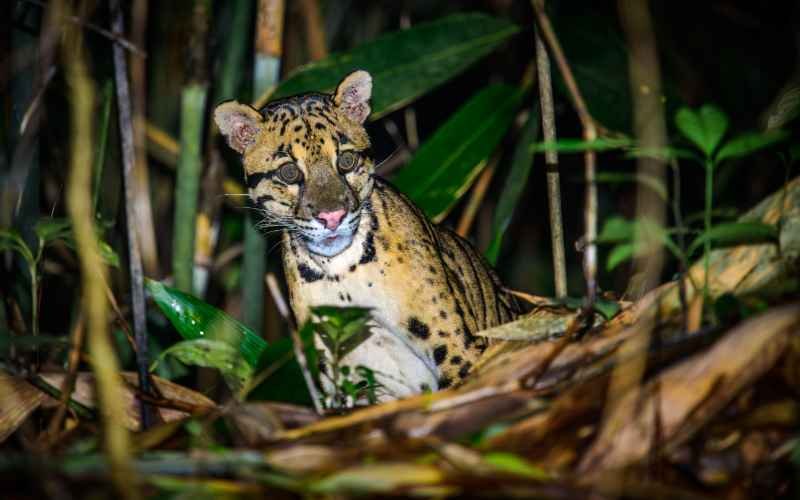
x,y
598,56
342,329
579,145
734,233
194,319
666,153
49,229
633,239
514,185
408,63
10,239
650,181
619,254
704,127
515,465
212,354
445,165
108,254
616,229
749,143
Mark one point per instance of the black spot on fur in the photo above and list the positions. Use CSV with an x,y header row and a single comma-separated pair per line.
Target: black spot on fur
x,y
298,128
368,252
445,382
456,360
443,334
440,354
418,328
341,296
352,268
442,314
432,270
369,284
464,370
309,275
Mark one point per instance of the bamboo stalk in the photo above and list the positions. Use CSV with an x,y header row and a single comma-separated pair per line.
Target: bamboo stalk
x,y
131,214
551,168
268,51
589,134
187,182
82,96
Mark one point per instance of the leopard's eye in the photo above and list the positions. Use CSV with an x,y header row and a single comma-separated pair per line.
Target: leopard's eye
x,y
290,173
347,161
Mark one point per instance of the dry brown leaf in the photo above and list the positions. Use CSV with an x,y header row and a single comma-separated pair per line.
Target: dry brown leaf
x,y
686,395
18,399
84,394
306,459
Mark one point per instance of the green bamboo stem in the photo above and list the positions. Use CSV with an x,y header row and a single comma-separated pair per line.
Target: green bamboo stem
x,y
266,73
193,101
102,143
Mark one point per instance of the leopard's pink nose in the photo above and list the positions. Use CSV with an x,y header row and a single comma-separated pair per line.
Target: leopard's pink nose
x,y
332,219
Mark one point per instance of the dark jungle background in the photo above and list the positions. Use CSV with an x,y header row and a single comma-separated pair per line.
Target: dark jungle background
x,y
457,115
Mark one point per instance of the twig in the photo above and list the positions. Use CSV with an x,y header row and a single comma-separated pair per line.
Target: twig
x,y
476,197
68,384
589,134
551,168
280,302
297,342
115,37
134,257
105,367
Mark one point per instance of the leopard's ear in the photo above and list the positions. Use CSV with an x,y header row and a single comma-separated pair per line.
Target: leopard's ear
x,y
352,96
239,123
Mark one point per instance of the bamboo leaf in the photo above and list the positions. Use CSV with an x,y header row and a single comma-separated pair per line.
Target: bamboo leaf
x,y
194,319
749,143
569,145
406,64
514,185
734,233
445,166
619,254
705,127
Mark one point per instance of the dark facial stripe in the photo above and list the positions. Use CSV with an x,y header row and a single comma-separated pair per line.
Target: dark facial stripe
x,y
255,178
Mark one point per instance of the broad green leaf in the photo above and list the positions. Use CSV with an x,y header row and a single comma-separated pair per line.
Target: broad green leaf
x,y
286,381
579,145
194,319
514,185
212,354
749,143
705,127
408,63
515,465
49,229
734,233
650,181
445,165
597,54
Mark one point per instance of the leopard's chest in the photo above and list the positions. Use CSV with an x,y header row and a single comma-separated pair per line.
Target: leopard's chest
x,y
389,285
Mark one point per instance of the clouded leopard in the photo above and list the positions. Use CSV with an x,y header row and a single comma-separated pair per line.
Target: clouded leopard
x,y
351,239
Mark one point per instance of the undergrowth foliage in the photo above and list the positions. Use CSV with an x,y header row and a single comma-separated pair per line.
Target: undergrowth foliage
x,y
246,402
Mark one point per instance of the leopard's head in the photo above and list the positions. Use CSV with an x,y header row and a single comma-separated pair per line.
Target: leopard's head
x,y
306,160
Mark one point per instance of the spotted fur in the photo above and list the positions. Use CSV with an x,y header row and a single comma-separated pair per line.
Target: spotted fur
x,y
429,290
